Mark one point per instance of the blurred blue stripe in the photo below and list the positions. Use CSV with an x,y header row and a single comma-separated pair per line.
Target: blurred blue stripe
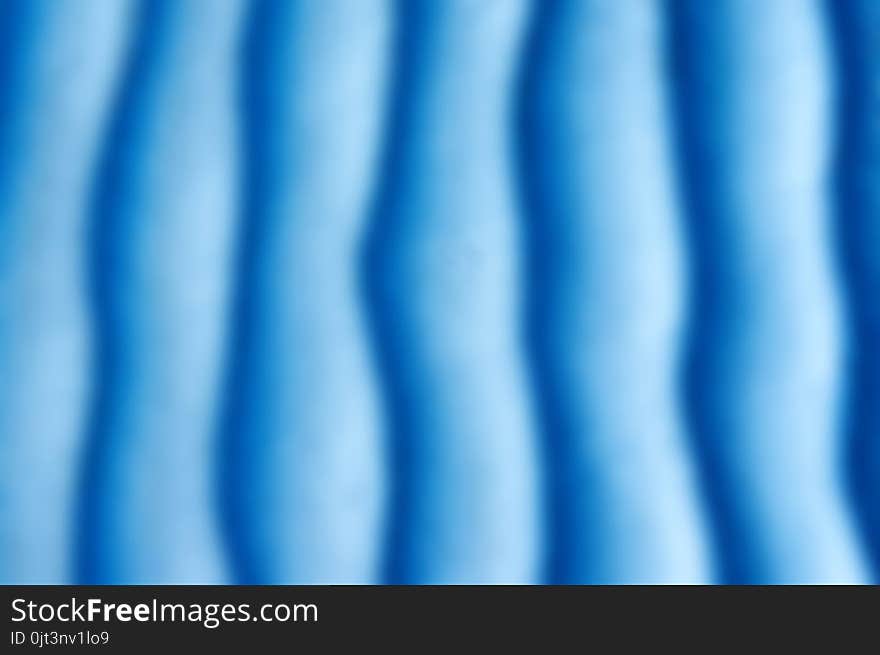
x,y
443,278
58,66
304,454
766,347
607,296
165,217
857,30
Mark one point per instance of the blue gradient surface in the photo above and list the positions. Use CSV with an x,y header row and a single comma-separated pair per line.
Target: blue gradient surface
x,y
439,291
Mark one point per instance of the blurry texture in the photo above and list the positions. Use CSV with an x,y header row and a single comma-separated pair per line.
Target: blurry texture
x,y
765,368
439,291
857,135
607,295
59,66
442,268
304,478
163,232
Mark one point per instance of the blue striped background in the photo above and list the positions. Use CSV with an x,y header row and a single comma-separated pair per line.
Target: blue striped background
x,y
439,291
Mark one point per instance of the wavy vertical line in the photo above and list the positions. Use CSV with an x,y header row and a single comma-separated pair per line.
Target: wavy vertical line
x,y
441,278
857,40
765,375
162,235
58,64
607,294
303,464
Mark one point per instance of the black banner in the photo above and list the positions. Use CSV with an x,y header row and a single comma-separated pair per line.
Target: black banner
x,y
193,619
